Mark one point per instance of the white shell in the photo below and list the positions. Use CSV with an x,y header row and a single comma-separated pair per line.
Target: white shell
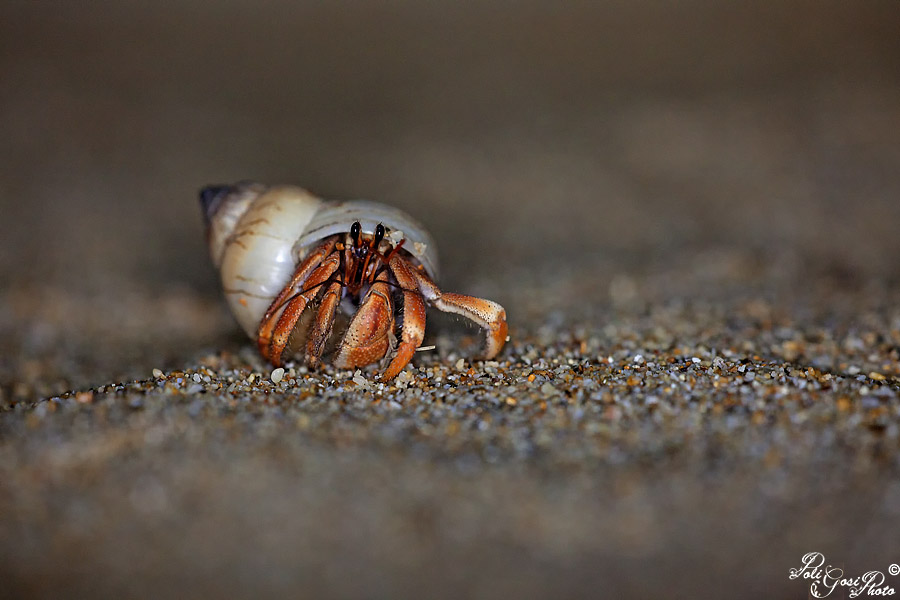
x,y
259,234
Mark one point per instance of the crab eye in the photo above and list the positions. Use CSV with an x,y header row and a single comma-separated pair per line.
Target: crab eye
x,y
355,230
379,234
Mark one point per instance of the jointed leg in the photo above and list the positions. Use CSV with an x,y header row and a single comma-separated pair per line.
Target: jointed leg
x,y
296,285
489,315
413,317
321,328
294,308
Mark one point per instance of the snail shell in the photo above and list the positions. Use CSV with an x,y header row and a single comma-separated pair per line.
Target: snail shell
x,y
258,234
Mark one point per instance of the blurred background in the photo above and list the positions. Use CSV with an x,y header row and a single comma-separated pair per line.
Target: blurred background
x,y
571,159
534,140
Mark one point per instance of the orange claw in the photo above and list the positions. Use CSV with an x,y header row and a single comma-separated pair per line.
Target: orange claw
x,y
369,336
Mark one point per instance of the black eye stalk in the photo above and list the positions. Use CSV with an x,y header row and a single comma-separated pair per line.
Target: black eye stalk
x,y
363,249
364,252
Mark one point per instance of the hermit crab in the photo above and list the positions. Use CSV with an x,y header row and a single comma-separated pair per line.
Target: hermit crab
x,y
289,261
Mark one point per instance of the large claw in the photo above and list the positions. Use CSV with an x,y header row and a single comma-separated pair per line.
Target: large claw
x,y
369,336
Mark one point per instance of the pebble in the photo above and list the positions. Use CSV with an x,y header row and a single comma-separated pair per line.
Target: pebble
x,y
360,380
277,375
